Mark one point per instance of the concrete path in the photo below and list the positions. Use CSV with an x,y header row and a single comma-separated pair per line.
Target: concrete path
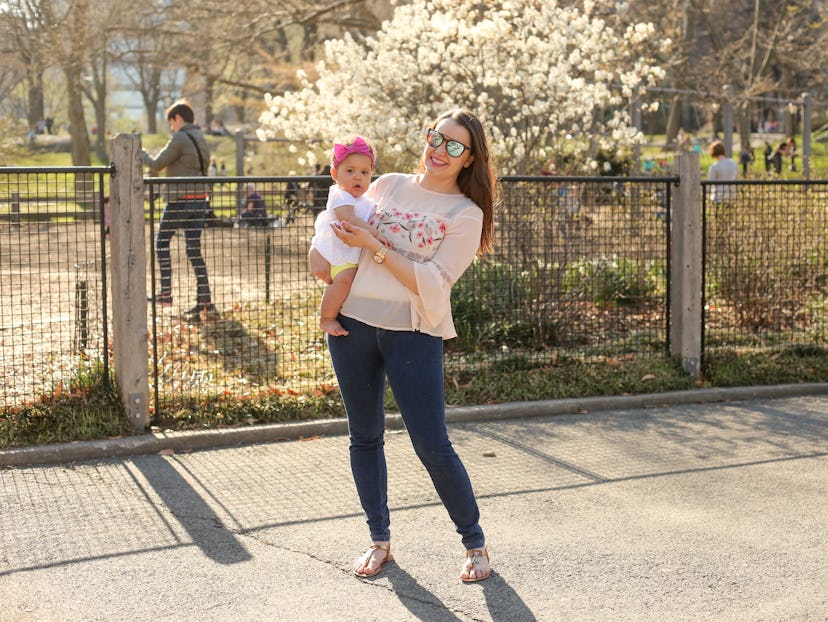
x,y
712,511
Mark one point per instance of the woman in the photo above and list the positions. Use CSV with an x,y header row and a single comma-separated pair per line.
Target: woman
x,y
397,315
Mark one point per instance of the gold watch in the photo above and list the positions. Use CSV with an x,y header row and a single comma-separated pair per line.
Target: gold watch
x,y
379,256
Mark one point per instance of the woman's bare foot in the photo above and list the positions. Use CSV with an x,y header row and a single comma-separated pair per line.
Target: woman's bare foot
x,y
476,567
377,555
332,327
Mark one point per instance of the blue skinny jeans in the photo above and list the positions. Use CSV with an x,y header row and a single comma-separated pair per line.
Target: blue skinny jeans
x,y
189,216
413,363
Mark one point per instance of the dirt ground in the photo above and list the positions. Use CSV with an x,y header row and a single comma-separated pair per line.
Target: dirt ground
x,y
51,291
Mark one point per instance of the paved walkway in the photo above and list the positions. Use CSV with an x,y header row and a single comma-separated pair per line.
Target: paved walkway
x,y
712,511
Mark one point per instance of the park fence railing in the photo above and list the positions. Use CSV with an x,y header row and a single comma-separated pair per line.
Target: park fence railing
x,y
593,267
54,317
765,265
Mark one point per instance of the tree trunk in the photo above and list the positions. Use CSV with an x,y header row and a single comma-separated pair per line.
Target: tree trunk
x,y
151,94
77,123
674,119
209,93
743,121
35,109
99,102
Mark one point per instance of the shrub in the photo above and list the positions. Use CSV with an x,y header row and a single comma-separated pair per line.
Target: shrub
x,y
487,304
610,279
766,256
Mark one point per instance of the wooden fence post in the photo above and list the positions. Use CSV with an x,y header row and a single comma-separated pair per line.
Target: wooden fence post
x,y
686,266
129,278
15,208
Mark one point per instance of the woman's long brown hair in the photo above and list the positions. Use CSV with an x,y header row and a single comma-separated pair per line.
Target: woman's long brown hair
x,y
478,180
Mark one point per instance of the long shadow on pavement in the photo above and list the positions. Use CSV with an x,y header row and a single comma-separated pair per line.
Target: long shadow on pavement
x,y
192,511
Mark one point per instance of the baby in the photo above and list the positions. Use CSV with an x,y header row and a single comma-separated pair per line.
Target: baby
x,y
352,166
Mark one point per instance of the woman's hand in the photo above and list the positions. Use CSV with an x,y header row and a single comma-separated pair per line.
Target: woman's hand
x,y
355,236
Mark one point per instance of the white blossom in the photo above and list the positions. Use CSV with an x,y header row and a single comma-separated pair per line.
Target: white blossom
x,y
536,73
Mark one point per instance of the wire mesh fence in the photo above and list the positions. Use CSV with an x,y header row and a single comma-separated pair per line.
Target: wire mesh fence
x,y
53,305
258,335
766,265
580,266
580,269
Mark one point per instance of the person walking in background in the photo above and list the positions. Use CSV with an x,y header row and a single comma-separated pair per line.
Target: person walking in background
x,y
790,151
186,154
768,157
746,158
778,154
398,313
722,169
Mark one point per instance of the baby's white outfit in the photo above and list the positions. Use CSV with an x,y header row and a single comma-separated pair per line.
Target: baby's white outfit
x,y
325,241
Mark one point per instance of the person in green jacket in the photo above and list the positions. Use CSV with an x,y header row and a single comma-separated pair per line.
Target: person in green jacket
x,y
186,154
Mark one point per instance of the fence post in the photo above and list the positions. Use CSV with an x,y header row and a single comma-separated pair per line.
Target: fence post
x,y
686,266
807,113
239,153
129,278
15,208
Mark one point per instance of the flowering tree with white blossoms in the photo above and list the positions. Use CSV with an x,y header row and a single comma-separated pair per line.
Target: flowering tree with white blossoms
x,y
551,84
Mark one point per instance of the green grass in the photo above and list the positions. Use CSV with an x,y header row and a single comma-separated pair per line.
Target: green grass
x,y
783,366
87,408
819,156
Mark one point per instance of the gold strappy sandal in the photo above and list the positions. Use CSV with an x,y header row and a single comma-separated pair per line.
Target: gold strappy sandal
x,y
366,558
473,559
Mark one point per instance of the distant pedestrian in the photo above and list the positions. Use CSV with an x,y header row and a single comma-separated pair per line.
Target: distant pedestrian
x,y
723,169
778,153
746,158
186,154
790,151
254,212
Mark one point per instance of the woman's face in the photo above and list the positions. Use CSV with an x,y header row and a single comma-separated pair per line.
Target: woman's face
x,y
437,161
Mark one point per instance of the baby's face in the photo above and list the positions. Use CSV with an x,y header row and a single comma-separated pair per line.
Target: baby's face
x,y
353,174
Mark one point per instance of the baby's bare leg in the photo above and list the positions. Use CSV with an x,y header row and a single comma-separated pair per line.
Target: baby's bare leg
x,y
319,266
332,300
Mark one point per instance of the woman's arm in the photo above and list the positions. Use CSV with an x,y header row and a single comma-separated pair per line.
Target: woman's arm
x,y
401,267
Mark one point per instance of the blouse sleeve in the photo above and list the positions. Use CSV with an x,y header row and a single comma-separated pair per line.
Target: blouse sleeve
x,y
436,276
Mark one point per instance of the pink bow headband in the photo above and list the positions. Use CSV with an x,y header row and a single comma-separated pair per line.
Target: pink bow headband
x,y
340,152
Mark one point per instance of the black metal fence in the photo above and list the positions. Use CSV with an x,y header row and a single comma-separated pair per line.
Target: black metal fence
x,y
53,282
580,268
765,265
262,338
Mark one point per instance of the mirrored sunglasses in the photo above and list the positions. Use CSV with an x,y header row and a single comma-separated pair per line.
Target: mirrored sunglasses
x,y
453,147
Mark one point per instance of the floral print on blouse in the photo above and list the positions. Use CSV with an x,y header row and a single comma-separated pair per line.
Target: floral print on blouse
x,y
417,233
